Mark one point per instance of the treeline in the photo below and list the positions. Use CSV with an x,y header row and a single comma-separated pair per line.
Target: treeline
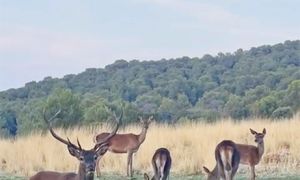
x,y
260,82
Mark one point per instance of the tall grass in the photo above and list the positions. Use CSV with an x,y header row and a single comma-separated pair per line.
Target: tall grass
x,y
191,144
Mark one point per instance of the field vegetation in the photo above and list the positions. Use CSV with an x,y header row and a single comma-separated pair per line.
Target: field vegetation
x,y
191,144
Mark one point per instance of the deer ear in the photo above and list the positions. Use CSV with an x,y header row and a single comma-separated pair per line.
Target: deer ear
x,y
253,132
264,131
140,119
146,177
206,170
150,119
101,150
73,151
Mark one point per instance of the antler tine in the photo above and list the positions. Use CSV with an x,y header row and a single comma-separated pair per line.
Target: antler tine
x,y
78,144
114,131
66,142
71,144
115,116
48,121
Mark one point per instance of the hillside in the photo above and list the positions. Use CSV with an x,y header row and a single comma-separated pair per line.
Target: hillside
x,y
262,81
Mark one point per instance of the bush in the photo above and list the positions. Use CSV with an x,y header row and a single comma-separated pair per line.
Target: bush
x,y
282,112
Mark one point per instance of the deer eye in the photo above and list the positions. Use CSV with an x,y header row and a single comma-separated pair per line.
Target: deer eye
x,y
95,157
81,158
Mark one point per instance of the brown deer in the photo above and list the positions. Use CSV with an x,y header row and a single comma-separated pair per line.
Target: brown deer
x,y
161,162
228,159
251,155
125,143
87,158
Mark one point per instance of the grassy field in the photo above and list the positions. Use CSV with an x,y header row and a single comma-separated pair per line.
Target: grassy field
x,y
191,144
140,177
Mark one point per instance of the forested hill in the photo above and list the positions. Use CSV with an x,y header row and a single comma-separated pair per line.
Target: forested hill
x,y
262,81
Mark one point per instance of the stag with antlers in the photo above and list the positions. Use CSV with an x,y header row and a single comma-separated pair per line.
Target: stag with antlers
x,y
125,143
87,158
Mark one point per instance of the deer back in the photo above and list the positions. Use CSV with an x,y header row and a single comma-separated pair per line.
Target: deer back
x,y
161,162
49,175
121,143
227,161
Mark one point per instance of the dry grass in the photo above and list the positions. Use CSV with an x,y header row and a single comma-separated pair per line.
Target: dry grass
x,y
191,145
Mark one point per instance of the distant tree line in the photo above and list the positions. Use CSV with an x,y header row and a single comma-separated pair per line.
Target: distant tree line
x,y
260,82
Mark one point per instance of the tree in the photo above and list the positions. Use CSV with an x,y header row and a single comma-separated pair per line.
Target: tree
x,y
293,95
148,103
96,114
282,112
10,124
267,105
69,103
236,108
167,110
261,81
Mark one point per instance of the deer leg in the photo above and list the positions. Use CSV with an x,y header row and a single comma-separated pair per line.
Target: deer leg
x,y
129,164
252,172
98,167
131,173
162,175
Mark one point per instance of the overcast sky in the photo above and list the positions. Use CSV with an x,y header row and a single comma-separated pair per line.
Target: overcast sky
x,y
59,37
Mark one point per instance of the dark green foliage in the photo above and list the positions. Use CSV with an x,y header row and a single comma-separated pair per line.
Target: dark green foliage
x,y
10,125
282,112
267,105
262,81
293,94
68,103
236,107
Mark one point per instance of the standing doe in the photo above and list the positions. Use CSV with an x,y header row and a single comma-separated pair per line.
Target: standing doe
x,y
251,155
227,158
87,158
125,143
161,162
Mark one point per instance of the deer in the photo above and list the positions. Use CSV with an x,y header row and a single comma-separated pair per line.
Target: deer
x,y
87,158
125,143
251,155
228,158
161,163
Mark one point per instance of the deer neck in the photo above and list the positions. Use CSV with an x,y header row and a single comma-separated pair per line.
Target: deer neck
x,y
142,135
261,149
82,173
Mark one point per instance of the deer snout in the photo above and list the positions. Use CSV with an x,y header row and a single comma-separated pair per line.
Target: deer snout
x,y
90,169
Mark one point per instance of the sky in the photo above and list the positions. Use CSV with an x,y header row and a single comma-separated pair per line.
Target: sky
x,y
59,37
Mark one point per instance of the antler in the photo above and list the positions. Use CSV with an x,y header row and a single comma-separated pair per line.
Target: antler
x,y
140,118
114,131
66,142
150,118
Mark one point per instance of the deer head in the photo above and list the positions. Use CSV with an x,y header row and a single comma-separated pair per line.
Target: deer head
x,y
210,175
87,158
259,137
146,122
